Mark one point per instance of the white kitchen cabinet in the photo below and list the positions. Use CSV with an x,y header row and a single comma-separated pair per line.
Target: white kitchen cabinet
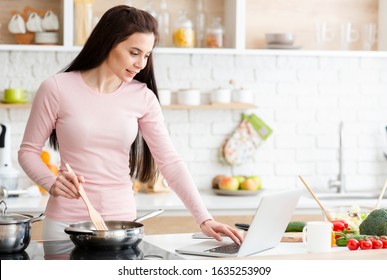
x,y
229,10
245,23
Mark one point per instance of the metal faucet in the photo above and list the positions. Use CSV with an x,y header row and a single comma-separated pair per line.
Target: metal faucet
x,y
338,183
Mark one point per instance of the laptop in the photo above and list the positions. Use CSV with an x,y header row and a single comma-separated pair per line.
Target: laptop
x,y
265,232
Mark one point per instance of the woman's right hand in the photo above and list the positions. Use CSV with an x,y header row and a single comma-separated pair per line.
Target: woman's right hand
x,y
66,185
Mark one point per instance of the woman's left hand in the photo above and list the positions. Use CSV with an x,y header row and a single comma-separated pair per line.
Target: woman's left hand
x,y
213,229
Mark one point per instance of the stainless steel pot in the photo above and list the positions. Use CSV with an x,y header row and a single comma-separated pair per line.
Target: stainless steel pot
x,y
15,230
120,234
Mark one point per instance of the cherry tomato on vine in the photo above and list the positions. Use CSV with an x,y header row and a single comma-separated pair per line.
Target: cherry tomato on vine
x,y
377,244
383,238
353,244
365,244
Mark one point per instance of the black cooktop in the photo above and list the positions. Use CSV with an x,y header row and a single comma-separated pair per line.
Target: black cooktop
x,y
66,250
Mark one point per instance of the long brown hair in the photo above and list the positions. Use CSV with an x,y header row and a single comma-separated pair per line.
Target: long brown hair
x,y
115,26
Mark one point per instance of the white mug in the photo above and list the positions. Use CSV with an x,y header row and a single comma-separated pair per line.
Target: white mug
x,y
34,23
50,21
317,236
16,25
164,96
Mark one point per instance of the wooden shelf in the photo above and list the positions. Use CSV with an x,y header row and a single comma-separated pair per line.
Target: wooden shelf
x,y
217,106
15,106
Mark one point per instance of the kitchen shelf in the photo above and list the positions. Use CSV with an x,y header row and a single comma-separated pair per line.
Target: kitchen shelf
x,y
244,31
206,51
15,106
217,106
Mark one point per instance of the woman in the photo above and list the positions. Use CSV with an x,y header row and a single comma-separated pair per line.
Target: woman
x,y
102,114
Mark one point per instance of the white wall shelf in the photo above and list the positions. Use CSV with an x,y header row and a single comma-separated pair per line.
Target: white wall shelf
x,y
206,51
235,14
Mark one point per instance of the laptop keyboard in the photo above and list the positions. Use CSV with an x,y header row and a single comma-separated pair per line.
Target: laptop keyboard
x,y
225,249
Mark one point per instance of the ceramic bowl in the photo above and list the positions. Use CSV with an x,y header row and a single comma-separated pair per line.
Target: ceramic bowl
x,y
188,97
279,38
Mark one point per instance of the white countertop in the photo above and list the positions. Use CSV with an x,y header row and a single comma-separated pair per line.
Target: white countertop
x,y
285,250
217,204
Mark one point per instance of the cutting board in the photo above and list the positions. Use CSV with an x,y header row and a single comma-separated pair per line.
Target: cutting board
x,y
292,237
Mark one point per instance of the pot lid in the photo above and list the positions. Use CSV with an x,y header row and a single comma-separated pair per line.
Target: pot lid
x,y
11,218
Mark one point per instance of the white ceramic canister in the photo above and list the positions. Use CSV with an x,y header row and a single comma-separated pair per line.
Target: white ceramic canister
x,y
188,97
165,96
221,95
242,95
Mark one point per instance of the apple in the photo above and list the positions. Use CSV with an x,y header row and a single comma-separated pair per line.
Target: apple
x,y
240,179
229,184
216,180
258,180
249,185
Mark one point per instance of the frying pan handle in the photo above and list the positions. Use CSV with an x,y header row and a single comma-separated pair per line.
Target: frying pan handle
x,y
149,215
74,231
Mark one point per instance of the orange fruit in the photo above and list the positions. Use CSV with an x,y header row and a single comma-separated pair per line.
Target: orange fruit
x,y
45,156
54,169
43,191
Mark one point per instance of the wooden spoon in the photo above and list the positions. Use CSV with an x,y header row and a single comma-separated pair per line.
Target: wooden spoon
x,y
381,195
329,217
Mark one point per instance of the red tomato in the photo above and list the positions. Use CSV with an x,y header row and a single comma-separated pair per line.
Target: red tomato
x,y
384,241
338,226
353,244
366,244
377,244
344,222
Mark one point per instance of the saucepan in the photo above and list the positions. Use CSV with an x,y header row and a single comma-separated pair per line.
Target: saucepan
x,y
120,234
15,230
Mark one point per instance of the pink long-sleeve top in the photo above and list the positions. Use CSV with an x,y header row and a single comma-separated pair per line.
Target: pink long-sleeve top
x,y
95,132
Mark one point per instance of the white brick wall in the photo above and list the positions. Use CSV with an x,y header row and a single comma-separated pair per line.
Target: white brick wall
x,y
302,98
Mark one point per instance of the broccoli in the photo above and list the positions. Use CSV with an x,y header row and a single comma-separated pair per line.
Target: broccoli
x,y
375,223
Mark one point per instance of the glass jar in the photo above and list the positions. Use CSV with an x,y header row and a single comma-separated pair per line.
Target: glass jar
x,y
183,33
215,34
200,24
164,24
83,20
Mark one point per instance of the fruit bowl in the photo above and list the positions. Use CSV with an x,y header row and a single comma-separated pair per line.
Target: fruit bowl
x,y
236,192
353,215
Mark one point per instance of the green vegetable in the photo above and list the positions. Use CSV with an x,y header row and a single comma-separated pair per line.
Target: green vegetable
x,y
295,226
342,241
375,223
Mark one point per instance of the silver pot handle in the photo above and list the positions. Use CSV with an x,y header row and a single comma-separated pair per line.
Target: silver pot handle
x,y
3,207
38,218
149,215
